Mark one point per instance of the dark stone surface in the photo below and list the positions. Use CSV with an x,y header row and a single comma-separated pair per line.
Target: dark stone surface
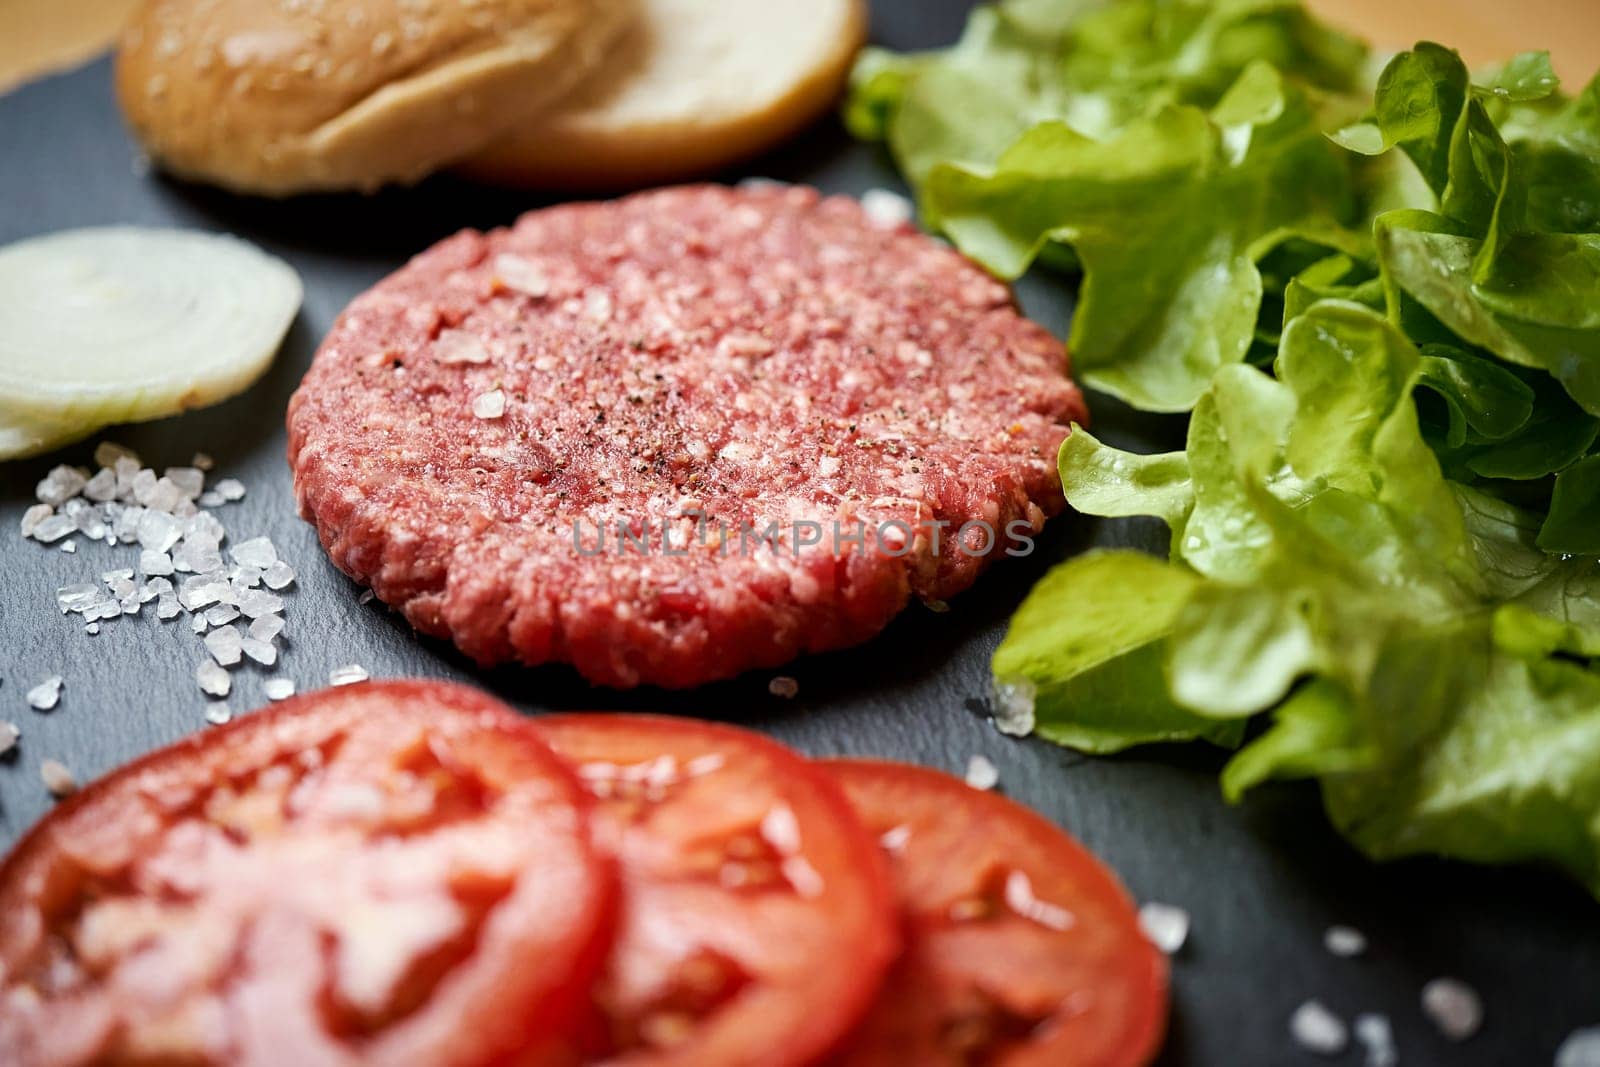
x,y
1263,880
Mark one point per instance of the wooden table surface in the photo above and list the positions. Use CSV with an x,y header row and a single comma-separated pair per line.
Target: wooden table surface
x,y
41,35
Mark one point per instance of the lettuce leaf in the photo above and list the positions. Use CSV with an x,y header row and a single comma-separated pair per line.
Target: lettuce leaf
x,y
1169,145
1415,651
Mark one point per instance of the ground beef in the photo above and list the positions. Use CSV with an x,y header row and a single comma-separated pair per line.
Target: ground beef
x,y
708,361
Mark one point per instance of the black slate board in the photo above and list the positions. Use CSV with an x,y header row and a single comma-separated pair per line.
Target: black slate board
x,y
1263,881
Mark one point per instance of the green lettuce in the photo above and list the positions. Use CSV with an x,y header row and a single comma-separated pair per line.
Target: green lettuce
x,y
1412,648
1169,146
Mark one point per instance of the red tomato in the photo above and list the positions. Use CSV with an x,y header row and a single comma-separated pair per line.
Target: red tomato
x,y
757,915
391,873
1021,949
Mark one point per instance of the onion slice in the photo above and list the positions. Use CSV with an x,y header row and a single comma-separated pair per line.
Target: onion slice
x,y
21,435
123,324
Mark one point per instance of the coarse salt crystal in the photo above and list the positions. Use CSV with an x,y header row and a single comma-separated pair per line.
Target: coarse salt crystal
x,y
522,275
278,576
189,480
230,489
458,346
225,645
895,839
198,624
60,485
784,686
221,614
211,499
57,779
103,486
266,627
1316,1029
982,773
1377,1037
213,679
254,603
34,516
53,528
167,608
263,652
258,552
1013,706
202,462
885,209
10,734
349,674
159,530
1020,899
278,688
781,830
218,713
367,596
1344,941
107,453
69,547
490,405
46,695
153,563
1580,1049
92,629
80,597
1164,925
829,466
1454,1007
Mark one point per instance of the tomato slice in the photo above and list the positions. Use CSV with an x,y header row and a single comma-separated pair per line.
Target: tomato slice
x,y
395,873
1021,948
757,915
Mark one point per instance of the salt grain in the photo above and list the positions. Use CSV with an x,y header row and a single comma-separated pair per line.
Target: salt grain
x,y
1013,706
784,686
60,485
1344,941
202,462
263,652
108,453
10,734
69,547
53,528
278,688
93,629
885,209
1454,1007
1376,1036
347,675
46,695
230,489
225,645
1316,1029
982,773
34,516
1164,926
254,603
490,405
895,839
211,499
198,624
57,779
1020,899
257,552
79,597
266,627
221,614
459,346
278,576
152,563
1580,1049
522,275
213,679
218,713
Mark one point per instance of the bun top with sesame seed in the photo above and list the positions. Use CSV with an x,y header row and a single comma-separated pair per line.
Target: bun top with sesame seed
x,y
288,96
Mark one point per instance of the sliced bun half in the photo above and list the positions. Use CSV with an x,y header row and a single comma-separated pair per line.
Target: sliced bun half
x,y
287,96
694,85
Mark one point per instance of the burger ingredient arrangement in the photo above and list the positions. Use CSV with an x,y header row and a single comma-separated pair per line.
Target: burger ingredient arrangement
x,y
369,874
1381,311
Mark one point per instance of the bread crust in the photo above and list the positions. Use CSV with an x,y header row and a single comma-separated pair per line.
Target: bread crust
x,y
692,87
286,96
